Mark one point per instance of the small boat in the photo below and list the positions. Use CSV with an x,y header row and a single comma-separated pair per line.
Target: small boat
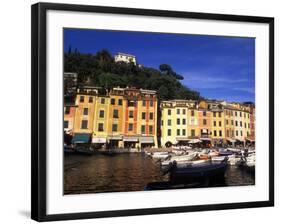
x,y
234,150
160,155
219,158
179,159
203,157
197,172
233,159
225,152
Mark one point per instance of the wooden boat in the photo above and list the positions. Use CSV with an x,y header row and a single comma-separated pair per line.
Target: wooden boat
x,y
197,172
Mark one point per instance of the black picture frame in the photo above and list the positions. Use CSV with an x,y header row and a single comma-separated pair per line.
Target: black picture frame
x,y
39,122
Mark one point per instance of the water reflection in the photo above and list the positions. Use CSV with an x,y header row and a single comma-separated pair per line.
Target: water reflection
x,y
126,172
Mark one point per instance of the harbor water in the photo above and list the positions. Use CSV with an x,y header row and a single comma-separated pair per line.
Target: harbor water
x,y
126,172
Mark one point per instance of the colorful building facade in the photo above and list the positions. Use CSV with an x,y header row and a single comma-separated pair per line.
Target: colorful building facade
x,y
121,117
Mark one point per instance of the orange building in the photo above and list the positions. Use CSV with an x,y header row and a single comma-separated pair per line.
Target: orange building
x,y
69,118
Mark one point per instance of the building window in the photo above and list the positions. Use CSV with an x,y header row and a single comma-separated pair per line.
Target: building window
x,y
115,113
241,124
183,121
227,133
67,110
102,101
85,111
112,101
236,113
183,111
215,133
215,123
178,111
101,113
178,121
130,128
143,103
241,133
226,122
236,133
65,124
150,129
192,113
219,123
245,125
214,114
81,99
248,125
232,133
204,122
100,127
220,132
151,103
232,122
169,122
219,114
151,116
84,124
204,113
114,127
143,115
90,99
131,114
120,102
240,114
236,123
192,133
244,115
131,103
169,132
178,132
248,115
169,112
183,132
143,129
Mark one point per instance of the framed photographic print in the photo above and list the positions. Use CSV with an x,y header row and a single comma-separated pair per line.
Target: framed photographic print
x,y
139,111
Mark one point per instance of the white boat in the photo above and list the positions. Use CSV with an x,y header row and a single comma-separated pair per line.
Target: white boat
x,y
218,158
179,159
235,150
160,155
233,159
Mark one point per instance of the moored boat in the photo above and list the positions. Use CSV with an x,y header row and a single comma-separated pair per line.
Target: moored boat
x,y
197,172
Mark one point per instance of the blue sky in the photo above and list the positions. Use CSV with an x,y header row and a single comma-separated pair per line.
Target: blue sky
x,y
218,67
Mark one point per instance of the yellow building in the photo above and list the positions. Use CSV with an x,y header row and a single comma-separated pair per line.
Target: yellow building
x,y
179,121
84,114
115,121
218,121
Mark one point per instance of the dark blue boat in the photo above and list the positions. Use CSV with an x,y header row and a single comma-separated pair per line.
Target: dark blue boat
x,y
197,172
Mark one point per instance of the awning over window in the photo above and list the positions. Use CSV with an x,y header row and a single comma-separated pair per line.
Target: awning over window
x,y
192,141
98,140
130,139
115,137
146,139
81,138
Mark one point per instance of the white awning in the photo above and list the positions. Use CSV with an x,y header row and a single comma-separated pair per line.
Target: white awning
x,y
194,141
115,137
130,139
146,139
98,140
